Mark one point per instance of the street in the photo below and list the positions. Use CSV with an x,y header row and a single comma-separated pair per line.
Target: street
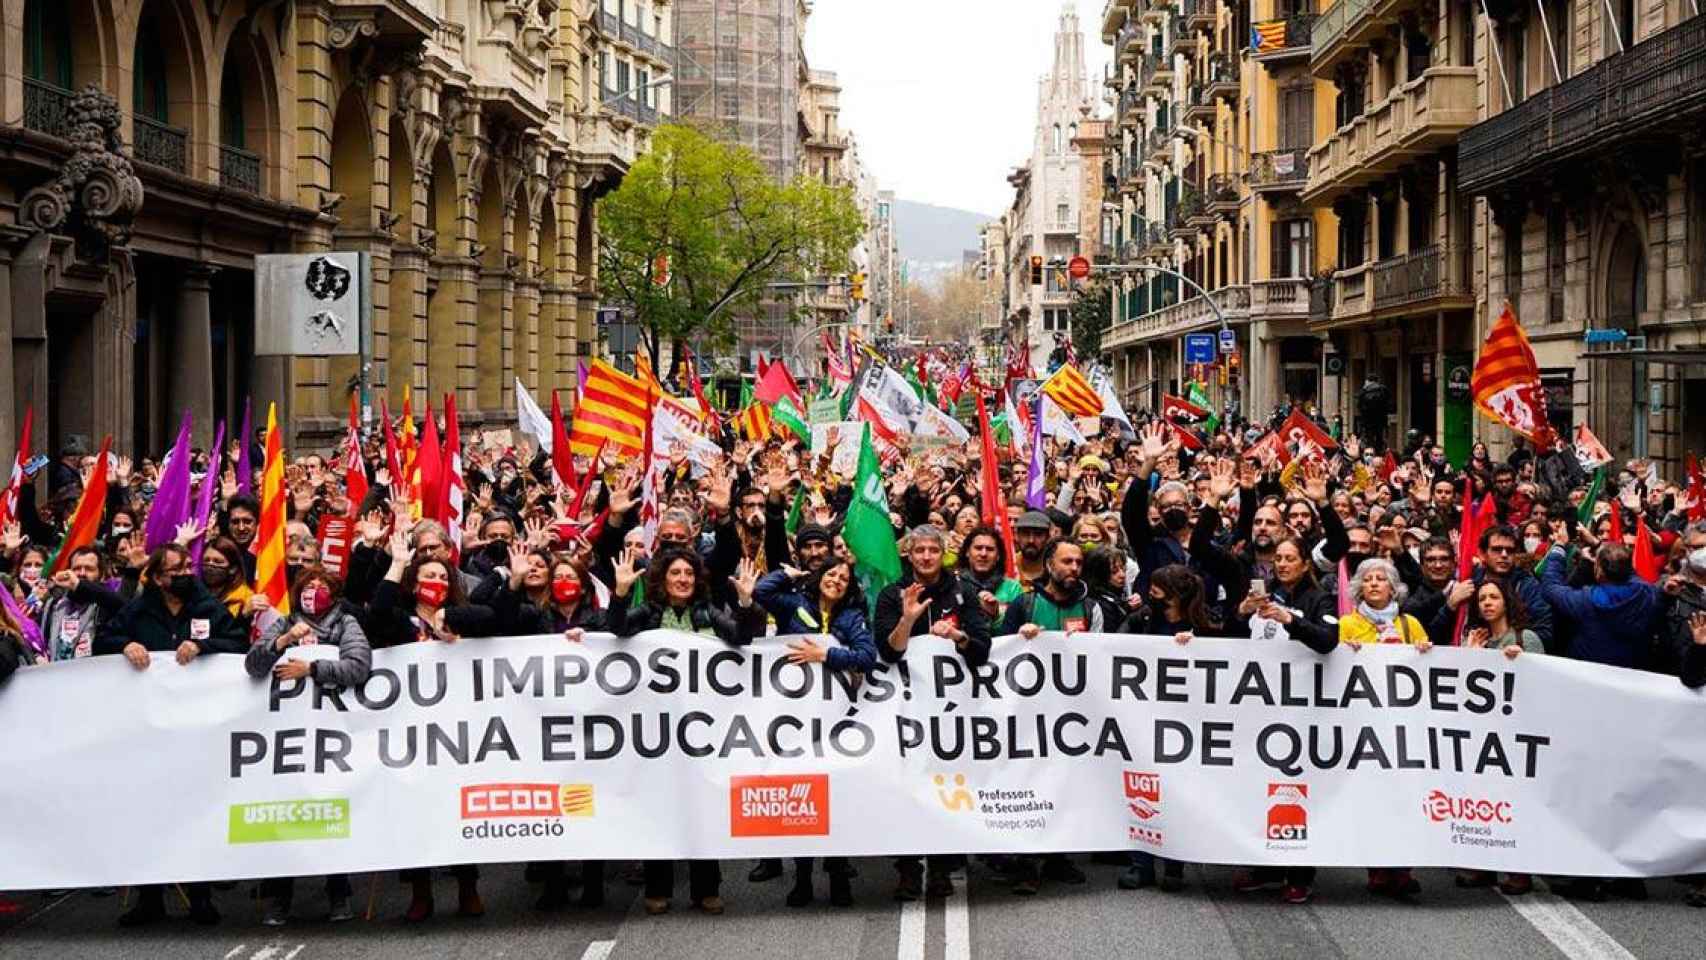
x,y
1095,920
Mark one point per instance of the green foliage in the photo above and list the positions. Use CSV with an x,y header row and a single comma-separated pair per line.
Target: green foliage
x,y
1092,312
727,229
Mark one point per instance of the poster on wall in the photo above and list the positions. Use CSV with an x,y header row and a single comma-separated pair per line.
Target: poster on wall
x,y
309,304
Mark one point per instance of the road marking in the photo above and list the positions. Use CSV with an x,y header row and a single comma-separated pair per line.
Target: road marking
x,y
235,950
911,946
598,950
1568,928
956,927
294,951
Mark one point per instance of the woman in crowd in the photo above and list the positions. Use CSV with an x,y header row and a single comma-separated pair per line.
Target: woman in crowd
x,y
1291,604
829,606
317,617
222,574
679,598
545,593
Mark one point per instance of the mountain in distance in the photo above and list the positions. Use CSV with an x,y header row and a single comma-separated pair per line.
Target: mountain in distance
x,y
932,236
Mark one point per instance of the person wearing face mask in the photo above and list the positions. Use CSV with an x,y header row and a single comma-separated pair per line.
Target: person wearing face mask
x,y
81,600
32,579
1157,547
175,614
221,573
317,617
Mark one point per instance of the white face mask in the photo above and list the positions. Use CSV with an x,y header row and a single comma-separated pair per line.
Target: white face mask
x,y
1697,562
1531,544
1415,553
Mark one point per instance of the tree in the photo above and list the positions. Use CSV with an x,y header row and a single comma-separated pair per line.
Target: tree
x,y
707,215
948,311
1092,312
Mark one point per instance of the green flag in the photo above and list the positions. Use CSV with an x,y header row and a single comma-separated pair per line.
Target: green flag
x,y
1198,395
1584,514
868,532
785,413
797,512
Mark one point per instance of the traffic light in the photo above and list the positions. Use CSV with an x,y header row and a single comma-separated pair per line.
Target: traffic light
x,y
858,286
1036,270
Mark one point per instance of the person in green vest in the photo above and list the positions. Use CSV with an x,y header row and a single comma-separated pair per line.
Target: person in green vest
x,y
983,567
1058,600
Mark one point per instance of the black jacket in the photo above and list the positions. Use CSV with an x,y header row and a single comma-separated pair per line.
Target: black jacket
x,y
1314,621
203,620
950,598
725,556
732,625
391,618
519,616
1674,643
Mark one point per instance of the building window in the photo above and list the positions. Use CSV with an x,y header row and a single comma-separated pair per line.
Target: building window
x,y
1555,240
47,42
604,69
1063,215
1628,20
1697,229
1514,38
622,76
643,81
231,109
148,91
1289,253
1056,142
1297,118
1513,264
1559,19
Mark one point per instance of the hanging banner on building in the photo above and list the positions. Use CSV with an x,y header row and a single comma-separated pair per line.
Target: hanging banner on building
x,y
676,746
309,304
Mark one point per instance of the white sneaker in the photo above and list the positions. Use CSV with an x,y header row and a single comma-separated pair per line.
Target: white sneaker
x,y
275,916
341,911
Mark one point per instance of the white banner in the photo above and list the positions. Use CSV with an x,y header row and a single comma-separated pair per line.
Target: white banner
x,y
669,745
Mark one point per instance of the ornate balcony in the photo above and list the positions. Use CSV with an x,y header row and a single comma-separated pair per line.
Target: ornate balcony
x,y
1222,79
1659,84
1193,207
1127,45
47,108
1279,171
1198,106
1416,119
1175,39
1186,316
1419,282
239,169
1198,14
1296,30
1223,193
1129,108
1286,298
1339,28
160,144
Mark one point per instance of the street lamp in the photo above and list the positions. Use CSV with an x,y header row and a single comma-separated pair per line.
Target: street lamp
x,y
628,94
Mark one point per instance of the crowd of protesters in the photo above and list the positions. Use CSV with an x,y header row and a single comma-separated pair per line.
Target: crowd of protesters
x,y
1332,547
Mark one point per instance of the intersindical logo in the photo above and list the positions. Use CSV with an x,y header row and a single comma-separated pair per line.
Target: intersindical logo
x,y
789,805
280,821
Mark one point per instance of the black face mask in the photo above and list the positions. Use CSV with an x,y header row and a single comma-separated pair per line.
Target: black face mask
x,y
1354,560
497,552
182,586
216,578
1176,519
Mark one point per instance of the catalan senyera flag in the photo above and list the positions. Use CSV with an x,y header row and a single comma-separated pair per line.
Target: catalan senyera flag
x,y
1506,382
753,421
86,519
1267,36
646,375
614,407
1068,388
269,559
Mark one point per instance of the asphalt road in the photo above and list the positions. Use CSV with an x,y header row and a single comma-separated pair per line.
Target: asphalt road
x,y
983,919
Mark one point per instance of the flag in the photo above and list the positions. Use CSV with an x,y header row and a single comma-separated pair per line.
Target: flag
x,y
672,434
9,500
581,374
171,505
1268,36
1035,497
1112,410
450,480
645,374
411,458
1018,425
269,560
1268,443
1298,428
994,506
1057,424
85,521
1506,381
867,531
840,371
707,413
886,426
613,407
429,465
1648,564
26,624
1189,439
1589,451
1068,388
797,512
1199,396
1387,467
1615,534
934,425
245,469
355,468
562,457
1584,513
1180,410
775,382
789,416
393,466
1467,536
586,481
203,513
753,421
531,419
1696,490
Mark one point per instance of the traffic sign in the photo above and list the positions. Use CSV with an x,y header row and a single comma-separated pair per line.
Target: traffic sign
x,y
1228,341
1078,267
1199,348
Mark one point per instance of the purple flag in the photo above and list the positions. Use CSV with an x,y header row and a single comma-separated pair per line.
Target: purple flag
x,y
30,629
245,473
171,504
204,499
1035,496
580,381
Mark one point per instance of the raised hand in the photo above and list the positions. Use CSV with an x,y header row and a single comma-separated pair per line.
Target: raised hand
x,y
1222,480
371,527
187,533
401,551
745,581
625,571
623,491
1248,473
1315,481
12,537
1697,629
913,601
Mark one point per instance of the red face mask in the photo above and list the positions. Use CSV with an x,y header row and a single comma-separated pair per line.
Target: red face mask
x,y
316,600
565,590
432,593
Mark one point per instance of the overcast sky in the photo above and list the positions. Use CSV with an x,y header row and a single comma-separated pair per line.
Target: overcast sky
x,y
942,94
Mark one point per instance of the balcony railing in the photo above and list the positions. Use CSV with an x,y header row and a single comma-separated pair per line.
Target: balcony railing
x,y
1222,79
1413,277
1186,316
1279,169
1124,44
47,108
1223,192
1197,101
239,169
1128,105
1297,32
1420,116
1659,80
161,144
609,24
1281,297
1332,24
1193,206
1198,14
1175,37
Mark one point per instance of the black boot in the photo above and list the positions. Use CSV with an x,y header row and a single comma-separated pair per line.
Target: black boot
x,y
765,870
150,907
841,889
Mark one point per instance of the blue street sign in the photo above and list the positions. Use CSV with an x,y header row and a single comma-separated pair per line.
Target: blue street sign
x,y
1228,341
1199,348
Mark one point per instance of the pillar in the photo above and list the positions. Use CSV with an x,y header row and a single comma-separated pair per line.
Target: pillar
x,y
190,382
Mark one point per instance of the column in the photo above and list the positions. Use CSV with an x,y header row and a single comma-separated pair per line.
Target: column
x,y
190,384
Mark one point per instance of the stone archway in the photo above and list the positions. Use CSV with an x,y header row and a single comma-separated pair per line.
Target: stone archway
x,y
1621,387
248,132
168,87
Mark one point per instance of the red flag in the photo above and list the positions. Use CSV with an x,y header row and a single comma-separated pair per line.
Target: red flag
x,y
562,457
994,509
392,465
1387,467
1466,538
355,469
1649,566
1506,381
431,469
1298,428
1188,439
1616,535
1696,490
775,383
451,484
586,481
1178,409
1268,443
9,500
708,413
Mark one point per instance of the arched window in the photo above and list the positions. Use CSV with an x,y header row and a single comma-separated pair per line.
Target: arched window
x,y
148,92
47,42
231,107
1056,146
1071,137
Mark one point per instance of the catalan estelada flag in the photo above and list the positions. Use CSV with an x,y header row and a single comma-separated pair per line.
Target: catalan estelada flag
x,y
614,407
269,559
1267,36
86,519
1506,382
1074,394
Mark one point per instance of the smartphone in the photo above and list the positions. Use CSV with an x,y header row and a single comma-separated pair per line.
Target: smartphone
x,y
1258,588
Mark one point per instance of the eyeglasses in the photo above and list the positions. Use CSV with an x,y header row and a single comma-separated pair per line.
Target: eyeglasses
x,y
1500,550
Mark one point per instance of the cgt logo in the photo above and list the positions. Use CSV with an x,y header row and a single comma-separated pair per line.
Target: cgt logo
x,y
1143,794
1441,806
1288,820
789,805
485,801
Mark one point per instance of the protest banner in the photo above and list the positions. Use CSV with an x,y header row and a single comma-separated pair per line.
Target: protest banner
x,y
670,745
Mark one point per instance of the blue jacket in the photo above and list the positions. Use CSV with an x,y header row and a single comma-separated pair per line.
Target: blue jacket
x,y
1614,621
794,614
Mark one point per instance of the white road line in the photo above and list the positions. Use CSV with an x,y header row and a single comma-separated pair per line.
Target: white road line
x,y
274,949
598,950
235,950
294,951
1569,929
956,927
911,945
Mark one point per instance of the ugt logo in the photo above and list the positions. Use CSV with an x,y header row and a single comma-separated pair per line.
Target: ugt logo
x,y
1288,820
1143,794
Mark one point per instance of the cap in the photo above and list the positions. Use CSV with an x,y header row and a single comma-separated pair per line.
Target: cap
x,y
809,533
1090,460
1034,520
76,445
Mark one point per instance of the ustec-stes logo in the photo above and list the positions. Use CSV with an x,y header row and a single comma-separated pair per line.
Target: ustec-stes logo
x,y
788,805
1288,820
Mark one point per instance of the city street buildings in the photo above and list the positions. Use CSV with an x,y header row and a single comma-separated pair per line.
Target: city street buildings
x,y
151,149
